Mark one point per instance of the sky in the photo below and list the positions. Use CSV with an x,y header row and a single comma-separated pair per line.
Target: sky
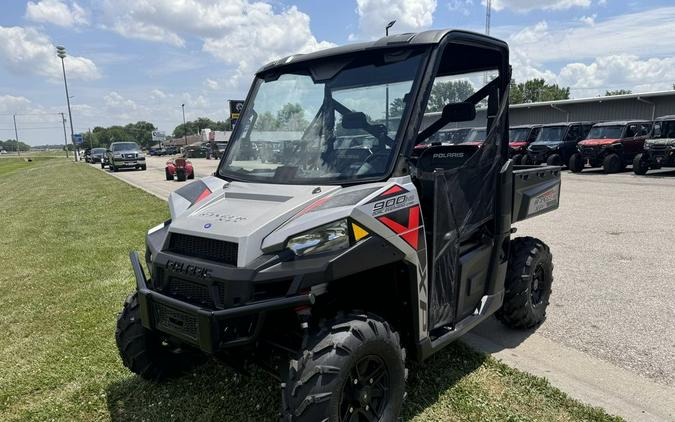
x,y
131,60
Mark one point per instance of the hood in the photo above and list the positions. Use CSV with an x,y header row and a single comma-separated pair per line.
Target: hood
x,y
239,212
661,141
598,142
518,144
551,145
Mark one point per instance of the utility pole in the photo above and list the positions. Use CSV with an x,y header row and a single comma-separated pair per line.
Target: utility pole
x,y
16,136
61,52
91,140
65,136
184,127
488,16
386,105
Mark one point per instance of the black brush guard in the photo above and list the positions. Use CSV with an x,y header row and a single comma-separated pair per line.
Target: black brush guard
x,y
210,330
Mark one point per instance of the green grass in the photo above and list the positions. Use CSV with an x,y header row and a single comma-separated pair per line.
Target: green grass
x,y
10,164
66,273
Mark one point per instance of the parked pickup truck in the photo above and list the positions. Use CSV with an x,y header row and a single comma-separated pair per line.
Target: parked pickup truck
x,y
612,145
556,143
659,149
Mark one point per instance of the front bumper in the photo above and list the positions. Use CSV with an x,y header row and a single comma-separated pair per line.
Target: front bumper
x,y
129,162
210,330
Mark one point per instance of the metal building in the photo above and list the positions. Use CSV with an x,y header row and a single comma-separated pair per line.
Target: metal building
x,y
647,106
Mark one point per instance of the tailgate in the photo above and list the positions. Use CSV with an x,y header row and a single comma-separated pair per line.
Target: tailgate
x,y
536,190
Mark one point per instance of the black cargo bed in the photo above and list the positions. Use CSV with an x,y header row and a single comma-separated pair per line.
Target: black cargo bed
x,y
536,190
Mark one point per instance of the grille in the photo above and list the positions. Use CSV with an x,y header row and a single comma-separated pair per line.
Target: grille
x,y
204,248
658,147
195,293
129,155
174,321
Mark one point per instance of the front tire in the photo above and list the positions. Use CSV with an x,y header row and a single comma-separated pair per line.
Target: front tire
x,y
517,159
576,163
180,175
144,353
612,164
640,165
528,284
554,160
354,366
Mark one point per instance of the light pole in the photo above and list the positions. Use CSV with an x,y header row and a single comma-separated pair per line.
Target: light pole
x,y
61,52
386,105
65,137
184,127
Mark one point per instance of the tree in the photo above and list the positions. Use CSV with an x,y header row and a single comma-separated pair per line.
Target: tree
x,y
618,92
292,117
536,90
444,93
266,122
396,107
11,145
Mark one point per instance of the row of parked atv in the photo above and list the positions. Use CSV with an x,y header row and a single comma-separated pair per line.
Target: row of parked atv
x,y
611,145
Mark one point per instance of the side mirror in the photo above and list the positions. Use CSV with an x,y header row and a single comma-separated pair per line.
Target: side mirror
x,y
459,112
356,120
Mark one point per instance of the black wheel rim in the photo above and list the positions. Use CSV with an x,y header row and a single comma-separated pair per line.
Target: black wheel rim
x,y
365,394
537,285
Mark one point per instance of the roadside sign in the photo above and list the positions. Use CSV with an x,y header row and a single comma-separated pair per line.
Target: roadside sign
x,y
78,138
235,110
158,135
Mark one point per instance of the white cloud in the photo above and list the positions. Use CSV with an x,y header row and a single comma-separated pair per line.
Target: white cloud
x,y
211,84
461,6
410,16
624,71
57,12
157,94
633,33
242,33
28,51
14,104
117,102
588,20
528,5
531,34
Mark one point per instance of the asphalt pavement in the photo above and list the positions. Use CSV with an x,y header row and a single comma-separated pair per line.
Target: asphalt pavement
x,y
612,309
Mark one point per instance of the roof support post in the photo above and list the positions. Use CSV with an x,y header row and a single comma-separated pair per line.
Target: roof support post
x,y
653,104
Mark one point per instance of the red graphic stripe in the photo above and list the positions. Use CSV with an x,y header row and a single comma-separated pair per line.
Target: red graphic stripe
x,y
412,236
392,190
203,195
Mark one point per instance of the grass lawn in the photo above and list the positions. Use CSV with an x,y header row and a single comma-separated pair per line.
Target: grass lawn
x,y
66,273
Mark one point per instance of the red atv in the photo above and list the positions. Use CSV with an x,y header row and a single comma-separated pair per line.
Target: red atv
x,y
181,168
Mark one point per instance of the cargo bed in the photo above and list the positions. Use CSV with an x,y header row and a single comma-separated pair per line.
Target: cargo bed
x,y
536,191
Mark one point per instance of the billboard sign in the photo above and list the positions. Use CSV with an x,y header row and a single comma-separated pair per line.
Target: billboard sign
x,y
158,135
78,138
236,106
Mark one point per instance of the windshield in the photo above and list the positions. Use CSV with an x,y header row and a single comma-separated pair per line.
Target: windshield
x,y
451,136
605,132
519,135
551,134
476,135
125,146
298,129
664,129
98,151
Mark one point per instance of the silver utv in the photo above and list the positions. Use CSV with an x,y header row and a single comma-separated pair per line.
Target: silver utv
x,y
327,245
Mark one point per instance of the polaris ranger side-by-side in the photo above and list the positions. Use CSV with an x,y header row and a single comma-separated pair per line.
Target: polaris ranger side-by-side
x,y
520,137
659,149
612,145
333,267
556,143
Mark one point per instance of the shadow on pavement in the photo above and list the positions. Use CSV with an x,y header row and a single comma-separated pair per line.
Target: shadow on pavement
x,y
495,336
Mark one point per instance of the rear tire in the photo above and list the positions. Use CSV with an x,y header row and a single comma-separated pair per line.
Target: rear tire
x,y
612,164
144,352
554,160
144,167
168,175
192,175
640,165
576,163
528,284
355,365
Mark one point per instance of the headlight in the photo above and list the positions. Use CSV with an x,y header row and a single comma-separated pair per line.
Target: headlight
x,y
117,155
646,146
327,238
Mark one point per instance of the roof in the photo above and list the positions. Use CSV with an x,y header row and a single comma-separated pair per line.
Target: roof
x,y
621,122
566,123
526,126
392,41
668,117
639,96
